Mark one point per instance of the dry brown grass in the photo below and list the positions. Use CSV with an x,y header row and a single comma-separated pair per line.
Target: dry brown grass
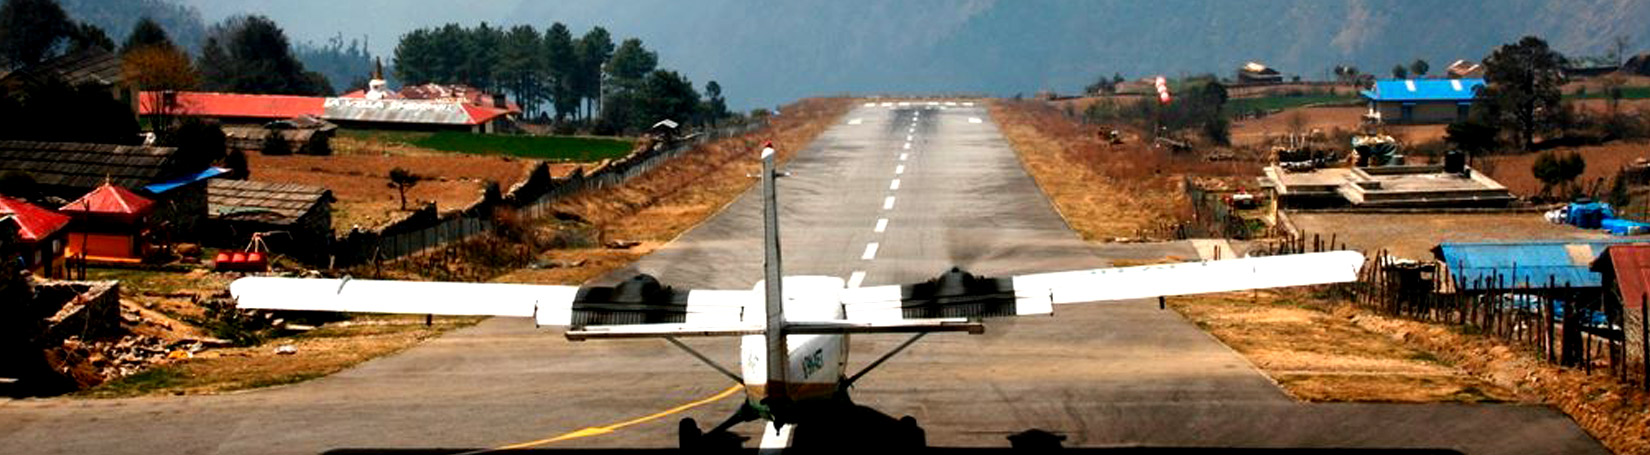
x,y
320,352
1260,131
1602,163
1613,412
1103,191
361,181
1317,356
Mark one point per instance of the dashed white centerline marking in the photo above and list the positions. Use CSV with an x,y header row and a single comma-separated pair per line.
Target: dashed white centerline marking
x,y
856,121
870,251
968,104
888,204
900,169
909,138
894,185
773,441
974,120
903,156
882,225
870,104
855,279
908,146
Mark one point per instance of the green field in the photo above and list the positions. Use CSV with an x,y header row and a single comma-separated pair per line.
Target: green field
x,y
1272,103
549,148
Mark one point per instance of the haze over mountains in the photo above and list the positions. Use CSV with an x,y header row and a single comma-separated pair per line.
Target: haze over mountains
x,y
770,52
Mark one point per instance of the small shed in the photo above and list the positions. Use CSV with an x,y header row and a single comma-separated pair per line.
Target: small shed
x,y
1626,272
303,140
110,224
40,235
1258,73
240,208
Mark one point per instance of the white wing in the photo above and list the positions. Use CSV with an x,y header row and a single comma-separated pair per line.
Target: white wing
x,y
1037,293
548,305
1194,277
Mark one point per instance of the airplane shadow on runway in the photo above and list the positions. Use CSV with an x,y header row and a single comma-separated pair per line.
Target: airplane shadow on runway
x,y
861,428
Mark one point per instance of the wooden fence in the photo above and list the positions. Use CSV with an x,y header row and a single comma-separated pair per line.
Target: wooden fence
x,y
1581,327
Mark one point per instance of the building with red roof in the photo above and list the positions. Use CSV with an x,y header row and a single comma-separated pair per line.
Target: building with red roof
x,y
230,107
462,113
40,235
110,224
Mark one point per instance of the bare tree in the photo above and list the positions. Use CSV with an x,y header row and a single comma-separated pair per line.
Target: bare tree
x,y
403,180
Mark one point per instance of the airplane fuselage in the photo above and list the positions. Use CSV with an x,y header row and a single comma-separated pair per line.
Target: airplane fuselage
x,y
815,364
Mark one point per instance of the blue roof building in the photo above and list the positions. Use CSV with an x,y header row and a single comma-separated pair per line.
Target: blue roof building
x,y
1539,264
1415,101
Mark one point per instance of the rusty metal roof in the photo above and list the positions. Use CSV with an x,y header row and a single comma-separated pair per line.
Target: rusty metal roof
x,y
1630,267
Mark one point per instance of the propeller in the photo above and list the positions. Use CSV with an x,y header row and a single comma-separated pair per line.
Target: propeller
x,y
965,255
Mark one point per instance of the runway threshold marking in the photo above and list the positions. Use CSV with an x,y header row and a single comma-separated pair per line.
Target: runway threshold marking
x,y
605,429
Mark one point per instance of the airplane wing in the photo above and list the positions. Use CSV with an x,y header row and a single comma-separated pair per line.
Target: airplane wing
x,y
959,294
640,300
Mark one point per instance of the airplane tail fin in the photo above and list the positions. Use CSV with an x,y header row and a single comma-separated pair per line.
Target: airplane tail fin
x,y
774,296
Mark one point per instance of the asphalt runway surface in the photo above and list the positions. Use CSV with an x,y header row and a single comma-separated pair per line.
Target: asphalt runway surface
x,y
1102,375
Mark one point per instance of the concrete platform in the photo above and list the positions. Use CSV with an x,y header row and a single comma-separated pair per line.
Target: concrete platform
x,y
1387,187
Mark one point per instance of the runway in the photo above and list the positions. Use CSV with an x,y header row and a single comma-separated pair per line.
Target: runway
x,y
892,194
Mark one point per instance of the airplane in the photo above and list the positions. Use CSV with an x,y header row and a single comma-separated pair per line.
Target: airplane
x,y
794,330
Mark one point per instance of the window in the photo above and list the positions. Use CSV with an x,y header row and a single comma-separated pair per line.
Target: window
x,y
1407,113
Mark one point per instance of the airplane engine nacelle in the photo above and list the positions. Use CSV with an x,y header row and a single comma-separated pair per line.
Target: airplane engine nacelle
x,y
638,300
958,294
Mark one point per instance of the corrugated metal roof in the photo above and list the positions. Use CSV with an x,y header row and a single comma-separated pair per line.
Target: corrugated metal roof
x,y
236,105
85,166
1534,264
1424,90
397,111
91,66
279,203
1630,265
34,223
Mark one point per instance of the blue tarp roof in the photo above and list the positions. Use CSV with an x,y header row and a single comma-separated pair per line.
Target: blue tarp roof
x,y
162,187
1515,264
1424,90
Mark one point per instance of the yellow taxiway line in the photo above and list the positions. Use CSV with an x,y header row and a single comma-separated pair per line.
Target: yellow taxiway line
x,y
605,429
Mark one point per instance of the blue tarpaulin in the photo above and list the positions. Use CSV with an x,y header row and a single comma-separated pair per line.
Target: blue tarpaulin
x,y
1529,264
162,187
